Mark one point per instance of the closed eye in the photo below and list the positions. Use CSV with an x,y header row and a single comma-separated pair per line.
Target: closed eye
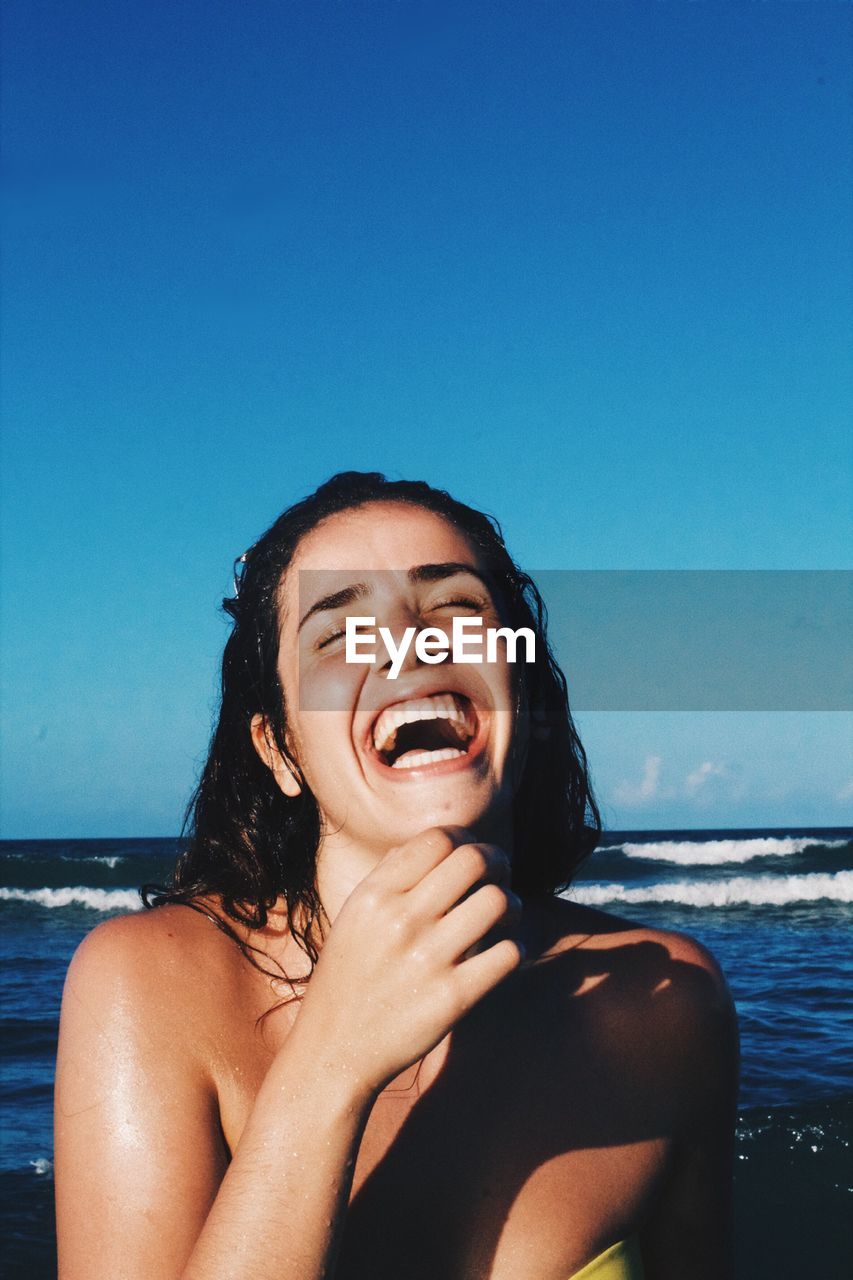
x,y
461,601
327,639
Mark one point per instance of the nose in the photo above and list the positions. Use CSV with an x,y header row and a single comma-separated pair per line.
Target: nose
x,y
397,651
403,627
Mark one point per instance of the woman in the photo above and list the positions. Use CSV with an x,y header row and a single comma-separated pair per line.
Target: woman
x,y
378,1045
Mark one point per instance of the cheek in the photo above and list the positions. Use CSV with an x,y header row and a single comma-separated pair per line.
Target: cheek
x,y
313,716
508,691
319,697
325,760
510,732
328,684
323,742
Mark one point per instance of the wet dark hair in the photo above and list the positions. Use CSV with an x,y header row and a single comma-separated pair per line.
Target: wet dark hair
x,y
248,844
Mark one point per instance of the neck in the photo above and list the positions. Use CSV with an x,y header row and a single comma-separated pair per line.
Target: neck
x,y
342,862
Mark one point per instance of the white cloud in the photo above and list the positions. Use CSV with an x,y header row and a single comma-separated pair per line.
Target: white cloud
x,y
846,792
695,781
648,788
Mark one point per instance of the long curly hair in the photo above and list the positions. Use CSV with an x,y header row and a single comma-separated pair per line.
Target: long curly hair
x,y
249,846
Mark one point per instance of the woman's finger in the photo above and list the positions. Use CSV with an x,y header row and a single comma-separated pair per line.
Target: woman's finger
x,y
469,921
477,976
405,866
456,875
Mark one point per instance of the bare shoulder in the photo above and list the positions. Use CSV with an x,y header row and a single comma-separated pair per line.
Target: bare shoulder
x,y
676,960
659,994
145,979
571,924
138,1148
160,935
145,944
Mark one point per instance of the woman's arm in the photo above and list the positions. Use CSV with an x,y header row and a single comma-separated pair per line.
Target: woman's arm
x,y
142,1172
144,1188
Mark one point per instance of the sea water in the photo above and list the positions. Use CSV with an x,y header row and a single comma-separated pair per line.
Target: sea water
x,y
775,908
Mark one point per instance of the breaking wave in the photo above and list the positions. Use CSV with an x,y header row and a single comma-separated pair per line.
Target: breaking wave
x,y
76,896
753,891
715,853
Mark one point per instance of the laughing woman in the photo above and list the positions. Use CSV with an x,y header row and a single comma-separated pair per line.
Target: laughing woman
x,y
359,1035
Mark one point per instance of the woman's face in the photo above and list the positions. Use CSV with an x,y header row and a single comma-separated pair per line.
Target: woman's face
x,y
388,757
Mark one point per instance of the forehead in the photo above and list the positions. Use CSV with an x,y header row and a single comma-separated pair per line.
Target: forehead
x,y
381,535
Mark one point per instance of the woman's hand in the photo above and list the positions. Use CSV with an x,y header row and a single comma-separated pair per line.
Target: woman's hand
x,y
401,964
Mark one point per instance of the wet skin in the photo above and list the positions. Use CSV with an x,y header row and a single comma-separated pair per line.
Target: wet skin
x,y
556,1118
586,1097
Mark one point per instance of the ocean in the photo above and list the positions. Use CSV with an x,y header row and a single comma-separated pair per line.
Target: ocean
x,y
774,906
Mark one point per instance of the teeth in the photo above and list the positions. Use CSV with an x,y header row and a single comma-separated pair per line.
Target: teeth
x,y
413,759
443,706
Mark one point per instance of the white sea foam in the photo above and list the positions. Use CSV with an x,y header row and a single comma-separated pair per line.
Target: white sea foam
x,y
77,896
754,891
110,860
715,853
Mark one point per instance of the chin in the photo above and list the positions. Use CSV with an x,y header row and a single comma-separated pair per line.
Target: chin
x,y
488,817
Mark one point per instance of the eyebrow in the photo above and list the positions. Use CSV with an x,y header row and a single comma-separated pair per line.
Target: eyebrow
x,y
418,573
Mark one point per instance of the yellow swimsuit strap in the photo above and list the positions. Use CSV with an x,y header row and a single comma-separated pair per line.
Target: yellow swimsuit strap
x,y
621,1261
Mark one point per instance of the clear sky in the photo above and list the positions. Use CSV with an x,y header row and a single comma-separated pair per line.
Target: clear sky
x,y
587,265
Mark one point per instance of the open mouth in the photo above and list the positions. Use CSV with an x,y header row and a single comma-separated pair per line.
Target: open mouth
x,y
425,731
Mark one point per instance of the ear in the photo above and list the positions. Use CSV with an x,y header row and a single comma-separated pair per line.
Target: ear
x,y
267,749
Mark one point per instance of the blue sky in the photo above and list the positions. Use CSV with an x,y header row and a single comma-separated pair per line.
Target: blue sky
x,y
587,265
